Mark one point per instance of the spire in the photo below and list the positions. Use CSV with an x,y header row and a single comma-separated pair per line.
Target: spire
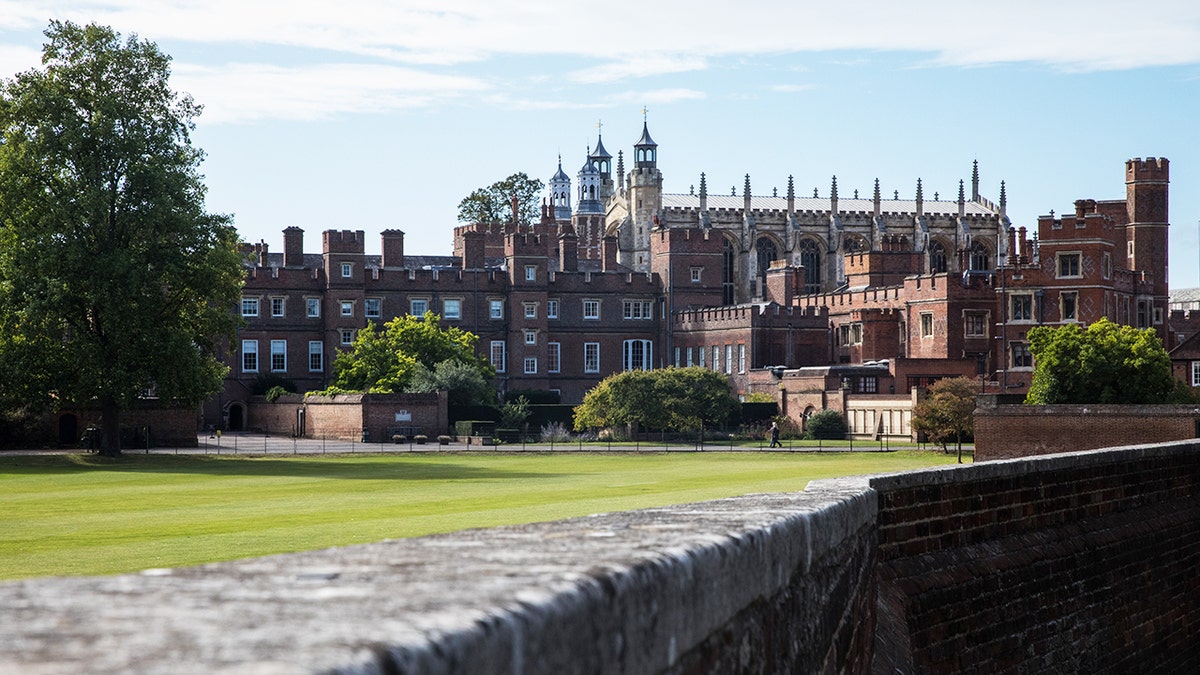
x,y
961,200
920,200
975,181
645,150
600,157
621,168
833,197
746,194
791,196
1003,201
876,199
705,221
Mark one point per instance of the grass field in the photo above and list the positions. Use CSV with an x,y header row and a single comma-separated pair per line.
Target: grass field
x,y
84,515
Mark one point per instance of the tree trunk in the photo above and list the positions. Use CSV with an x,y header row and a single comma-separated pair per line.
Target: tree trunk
x,y
110,423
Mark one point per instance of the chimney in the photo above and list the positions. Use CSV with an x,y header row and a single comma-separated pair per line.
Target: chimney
x,y
609,256
293,247
781,282
568,252
393,248
473,247
262,254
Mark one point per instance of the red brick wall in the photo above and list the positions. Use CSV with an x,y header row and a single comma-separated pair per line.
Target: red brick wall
x,y
346,415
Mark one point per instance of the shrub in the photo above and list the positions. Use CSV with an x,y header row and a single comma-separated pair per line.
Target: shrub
x,y
555,432
826,425
274,393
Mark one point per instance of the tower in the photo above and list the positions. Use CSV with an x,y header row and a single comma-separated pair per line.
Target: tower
x,y
602,162
560,193
645,201
1146,185
588,220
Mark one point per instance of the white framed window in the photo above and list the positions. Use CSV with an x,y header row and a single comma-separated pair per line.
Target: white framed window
x,y
249,356
1068,266
530,273
637,309
689,357
553,357
418,306
316,356
495,309
249,306
530,310
1196,373
347,307
716,358
591,357
531,365
497,356
373,308
1069,305
452,309
741,357
697,272
1021,307
637,354
678,357
531,337
347,336
312,308
347,270
278,356
552,309
728,359
591,309
927,324
277,307
700,351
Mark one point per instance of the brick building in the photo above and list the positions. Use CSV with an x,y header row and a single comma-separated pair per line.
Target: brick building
x,y
631,277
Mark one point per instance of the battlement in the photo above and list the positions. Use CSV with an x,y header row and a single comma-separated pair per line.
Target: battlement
x,y
525,244
1149,169
344,241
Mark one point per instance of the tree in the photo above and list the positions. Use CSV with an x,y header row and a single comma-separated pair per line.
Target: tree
x,y
826,424
114,280
675,398
493,204
947,411
1105,363
387,361
465,383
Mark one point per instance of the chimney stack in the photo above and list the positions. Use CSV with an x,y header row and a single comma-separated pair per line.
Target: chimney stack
x,y
568,252
473,250
609,255
293,247
393,248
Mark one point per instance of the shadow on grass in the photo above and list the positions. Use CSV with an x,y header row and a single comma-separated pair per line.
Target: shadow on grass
x,y
363,467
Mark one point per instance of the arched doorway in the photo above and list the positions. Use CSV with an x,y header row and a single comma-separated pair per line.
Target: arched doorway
x,y
68,430
235,416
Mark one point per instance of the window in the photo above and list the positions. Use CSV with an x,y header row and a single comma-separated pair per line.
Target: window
x,y
277,306
700,356
678,357
531,365
530,273
552,309
637,354
249,306
1021,308
530,310
312,307
373,308
849,334
418,306
1106,267
697,272
937,258
716,358
1021,358
249,356
810,260
975,324
1142,318
347,336
278,356
347,308
591,309
316,356
728,359
347,270
1069,301
495,309
689,357
553,357
591,357
638,309
497,356
867,384
1158,315
452,309
1196,373
531,337
1068,265
926,324
741,357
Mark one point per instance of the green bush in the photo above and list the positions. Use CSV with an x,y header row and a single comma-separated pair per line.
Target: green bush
x,y
826,425
275,392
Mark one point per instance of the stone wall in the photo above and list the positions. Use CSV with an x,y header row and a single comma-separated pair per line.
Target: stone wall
x,y
1082,562
1004,431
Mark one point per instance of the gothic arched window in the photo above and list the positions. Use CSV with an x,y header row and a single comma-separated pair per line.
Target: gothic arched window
x,y
937,258
767,252
810,259
727,260
980,260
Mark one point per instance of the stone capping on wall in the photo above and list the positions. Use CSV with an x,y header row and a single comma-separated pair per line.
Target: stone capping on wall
x,y
632,592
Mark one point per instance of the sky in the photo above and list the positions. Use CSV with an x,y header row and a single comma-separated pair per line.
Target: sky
x,y
383,114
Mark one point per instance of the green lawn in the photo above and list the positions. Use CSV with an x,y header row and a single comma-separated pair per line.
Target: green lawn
x,y
83,515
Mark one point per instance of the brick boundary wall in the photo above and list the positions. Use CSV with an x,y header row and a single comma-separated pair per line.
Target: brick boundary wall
x,y
344,416
1005,431
1083,562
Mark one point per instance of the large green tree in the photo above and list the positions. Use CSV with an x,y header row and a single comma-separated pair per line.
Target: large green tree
x,y
114,280
1105,363
947,411
674,398
401,355
493,204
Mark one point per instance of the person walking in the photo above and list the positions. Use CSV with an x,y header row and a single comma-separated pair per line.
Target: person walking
x,y
775,435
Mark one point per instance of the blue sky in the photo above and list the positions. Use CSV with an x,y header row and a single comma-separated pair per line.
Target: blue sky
x,y
377,114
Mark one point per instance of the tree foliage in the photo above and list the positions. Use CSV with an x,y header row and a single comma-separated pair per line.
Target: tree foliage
x,y
114,280
1105,363
673,398
385,361
826,425
465,383
947,412
493,204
